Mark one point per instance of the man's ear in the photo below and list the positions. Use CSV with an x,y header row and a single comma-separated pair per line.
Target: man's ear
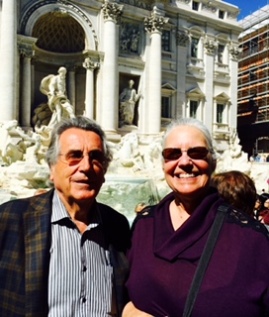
x,y
51,173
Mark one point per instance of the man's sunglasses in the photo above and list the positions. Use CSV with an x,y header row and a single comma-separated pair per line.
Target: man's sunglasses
x,y
75,157
195,153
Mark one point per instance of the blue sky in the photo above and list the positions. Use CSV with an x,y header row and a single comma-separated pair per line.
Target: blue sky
x,y
247,6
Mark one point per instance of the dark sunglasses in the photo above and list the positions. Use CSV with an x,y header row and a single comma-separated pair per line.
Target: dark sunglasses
x,y
75,157
195,153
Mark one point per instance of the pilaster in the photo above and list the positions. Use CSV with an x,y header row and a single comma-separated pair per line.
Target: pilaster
x,y
8,60
90,66
154,26
109,111
27,52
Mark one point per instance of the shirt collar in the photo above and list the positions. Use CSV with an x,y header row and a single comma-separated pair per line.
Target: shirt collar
x,y
59,212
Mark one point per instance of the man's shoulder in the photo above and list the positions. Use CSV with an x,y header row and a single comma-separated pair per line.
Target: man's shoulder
x,y
21,204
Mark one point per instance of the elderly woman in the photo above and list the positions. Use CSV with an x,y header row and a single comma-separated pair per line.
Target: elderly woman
x,y
169,239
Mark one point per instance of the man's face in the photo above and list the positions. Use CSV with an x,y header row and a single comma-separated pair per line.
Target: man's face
x,y
78,173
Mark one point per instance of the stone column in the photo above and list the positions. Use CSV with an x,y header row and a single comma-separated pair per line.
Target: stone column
x,y
90,66
110,78
71,84
234,51
8,60
182,41
209,52
26,49
154,26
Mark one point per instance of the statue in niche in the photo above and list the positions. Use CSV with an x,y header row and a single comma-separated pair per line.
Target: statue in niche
x,y
194,47
128,99
54,87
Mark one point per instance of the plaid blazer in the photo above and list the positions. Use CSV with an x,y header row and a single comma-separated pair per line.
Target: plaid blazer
x,y
25,237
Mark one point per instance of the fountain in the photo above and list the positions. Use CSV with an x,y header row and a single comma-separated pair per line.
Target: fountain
x,y
135,174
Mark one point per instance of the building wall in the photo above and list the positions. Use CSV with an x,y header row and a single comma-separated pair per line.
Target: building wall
x,y
196,40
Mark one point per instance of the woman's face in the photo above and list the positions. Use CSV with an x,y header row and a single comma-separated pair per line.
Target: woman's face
x,y
188,176
258,204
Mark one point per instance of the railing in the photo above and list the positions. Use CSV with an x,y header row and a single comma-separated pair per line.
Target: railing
x,y
263,114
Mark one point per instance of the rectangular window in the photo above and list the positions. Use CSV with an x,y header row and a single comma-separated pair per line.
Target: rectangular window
x,y
166,38
221,14
254,45
166,108
195,5
193,108
194,47
221,48
220,112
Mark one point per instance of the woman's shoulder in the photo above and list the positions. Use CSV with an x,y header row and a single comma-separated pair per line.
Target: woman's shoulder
x,y
146,214
244,220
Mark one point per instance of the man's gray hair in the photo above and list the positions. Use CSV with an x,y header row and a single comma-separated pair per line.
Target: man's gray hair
x,y
191,122
82,123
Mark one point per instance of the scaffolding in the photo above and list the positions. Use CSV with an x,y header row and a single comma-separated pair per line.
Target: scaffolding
x,y
253,70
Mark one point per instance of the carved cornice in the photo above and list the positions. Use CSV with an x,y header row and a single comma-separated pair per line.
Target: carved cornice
x,y
147,5
26,45
185,1
155,22
112,11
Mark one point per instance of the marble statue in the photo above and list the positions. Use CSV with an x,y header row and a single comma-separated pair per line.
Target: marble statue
x,y
54,87
134,175
128,99
233,158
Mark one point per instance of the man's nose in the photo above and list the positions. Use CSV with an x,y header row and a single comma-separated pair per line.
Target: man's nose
x,y
85,163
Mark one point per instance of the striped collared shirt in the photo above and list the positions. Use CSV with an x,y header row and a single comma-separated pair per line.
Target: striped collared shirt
x,y
80,273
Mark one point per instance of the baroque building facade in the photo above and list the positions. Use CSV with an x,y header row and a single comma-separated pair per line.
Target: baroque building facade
x,y
179,56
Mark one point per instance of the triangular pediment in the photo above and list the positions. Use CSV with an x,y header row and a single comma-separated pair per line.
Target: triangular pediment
x,y
168,89
168,86
195,92
223,96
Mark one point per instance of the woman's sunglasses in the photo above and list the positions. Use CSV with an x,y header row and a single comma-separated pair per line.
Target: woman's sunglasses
x,y
195,153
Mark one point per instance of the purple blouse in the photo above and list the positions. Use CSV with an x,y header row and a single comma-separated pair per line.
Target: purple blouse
x,y
163,262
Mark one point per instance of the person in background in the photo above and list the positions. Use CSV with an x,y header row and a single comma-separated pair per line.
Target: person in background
x,y
263,215
237,188
167,242
257,207
140,207
62,253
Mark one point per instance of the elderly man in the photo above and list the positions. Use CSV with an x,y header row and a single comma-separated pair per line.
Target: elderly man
x,y
62,254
